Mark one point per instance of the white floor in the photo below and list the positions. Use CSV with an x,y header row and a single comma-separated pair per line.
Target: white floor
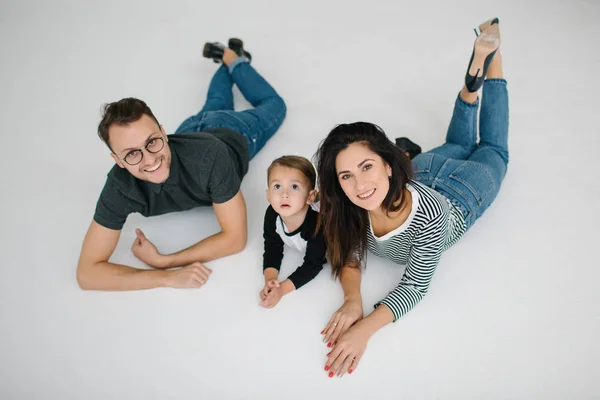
x,y
514,309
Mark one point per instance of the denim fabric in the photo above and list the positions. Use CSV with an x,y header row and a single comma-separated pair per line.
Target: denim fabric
x,y
468,173
257,124
235,63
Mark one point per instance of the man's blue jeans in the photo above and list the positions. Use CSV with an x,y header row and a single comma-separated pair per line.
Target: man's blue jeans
x,y
257,124
468,173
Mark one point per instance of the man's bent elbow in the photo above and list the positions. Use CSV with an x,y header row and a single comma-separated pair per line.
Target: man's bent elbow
x,y
83,277
239,244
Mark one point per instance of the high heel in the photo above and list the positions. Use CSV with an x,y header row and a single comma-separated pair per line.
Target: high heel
x,y
408,146
484,49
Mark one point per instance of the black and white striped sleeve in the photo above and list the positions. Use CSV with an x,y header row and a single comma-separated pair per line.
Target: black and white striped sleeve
x,y
423,259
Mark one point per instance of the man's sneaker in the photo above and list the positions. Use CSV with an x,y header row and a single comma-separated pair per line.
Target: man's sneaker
x,y
237,45
214,50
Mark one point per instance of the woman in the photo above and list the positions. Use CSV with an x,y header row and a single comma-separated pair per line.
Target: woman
x,y
370,199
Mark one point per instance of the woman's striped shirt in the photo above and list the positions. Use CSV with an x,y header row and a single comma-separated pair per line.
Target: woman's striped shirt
x,y
434,224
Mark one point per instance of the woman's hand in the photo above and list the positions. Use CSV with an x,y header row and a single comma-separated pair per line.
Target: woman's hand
x,y
346,354
350,312
351,345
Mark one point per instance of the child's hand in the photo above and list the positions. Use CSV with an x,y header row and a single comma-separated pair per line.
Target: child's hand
x,y
271,283
272,298
271,294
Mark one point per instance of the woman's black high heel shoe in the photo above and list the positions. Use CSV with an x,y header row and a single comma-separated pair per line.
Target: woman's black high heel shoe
x,y
484,25
486,45
408,146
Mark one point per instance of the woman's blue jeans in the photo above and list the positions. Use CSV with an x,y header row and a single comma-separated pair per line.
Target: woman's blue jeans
x,y
468,173
257,124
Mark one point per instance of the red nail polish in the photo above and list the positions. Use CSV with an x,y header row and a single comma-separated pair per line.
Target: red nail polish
x,y
350,371
329,344
328,354
327,368
331,374
323,331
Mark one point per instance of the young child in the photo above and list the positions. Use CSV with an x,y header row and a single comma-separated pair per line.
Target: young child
x,y
290,219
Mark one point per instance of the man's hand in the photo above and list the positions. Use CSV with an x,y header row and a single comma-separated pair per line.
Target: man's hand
x,y
231,216
146,251
193,275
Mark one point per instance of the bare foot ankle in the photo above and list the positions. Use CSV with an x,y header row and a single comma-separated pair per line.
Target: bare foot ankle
x,y
469,97
229,56
495,68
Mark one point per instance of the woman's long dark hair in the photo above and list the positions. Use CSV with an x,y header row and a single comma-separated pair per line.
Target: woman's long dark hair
x,y
344,224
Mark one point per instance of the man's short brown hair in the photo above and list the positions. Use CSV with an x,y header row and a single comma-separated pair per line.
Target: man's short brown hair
x,y
122,112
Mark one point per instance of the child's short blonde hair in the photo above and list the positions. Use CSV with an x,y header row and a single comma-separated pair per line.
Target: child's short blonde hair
x,y
299,163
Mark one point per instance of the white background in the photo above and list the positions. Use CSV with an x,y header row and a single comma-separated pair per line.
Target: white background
x,y
513,309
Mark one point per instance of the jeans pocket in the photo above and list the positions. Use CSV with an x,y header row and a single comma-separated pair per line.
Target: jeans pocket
x,y
476,178
422,163
189,125
232,120
423,168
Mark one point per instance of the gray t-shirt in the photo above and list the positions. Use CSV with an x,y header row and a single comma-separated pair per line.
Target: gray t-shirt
x,y
206,168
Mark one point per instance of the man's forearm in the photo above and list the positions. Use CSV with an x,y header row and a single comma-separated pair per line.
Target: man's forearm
x,y
109,276
216,246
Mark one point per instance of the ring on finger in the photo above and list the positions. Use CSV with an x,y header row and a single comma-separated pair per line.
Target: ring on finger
x,y
334,324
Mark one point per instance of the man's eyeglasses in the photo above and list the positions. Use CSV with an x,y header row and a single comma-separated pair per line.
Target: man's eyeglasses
x,y
135,157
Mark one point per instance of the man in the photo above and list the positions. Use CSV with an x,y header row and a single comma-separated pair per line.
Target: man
x,y
203,163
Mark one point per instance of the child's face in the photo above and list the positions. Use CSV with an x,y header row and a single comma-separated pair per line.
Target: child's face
x,y
288,191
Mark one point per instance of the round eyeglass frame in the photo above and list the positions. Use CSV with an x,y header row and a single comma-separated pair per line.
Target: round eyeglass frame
x,y
162,141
